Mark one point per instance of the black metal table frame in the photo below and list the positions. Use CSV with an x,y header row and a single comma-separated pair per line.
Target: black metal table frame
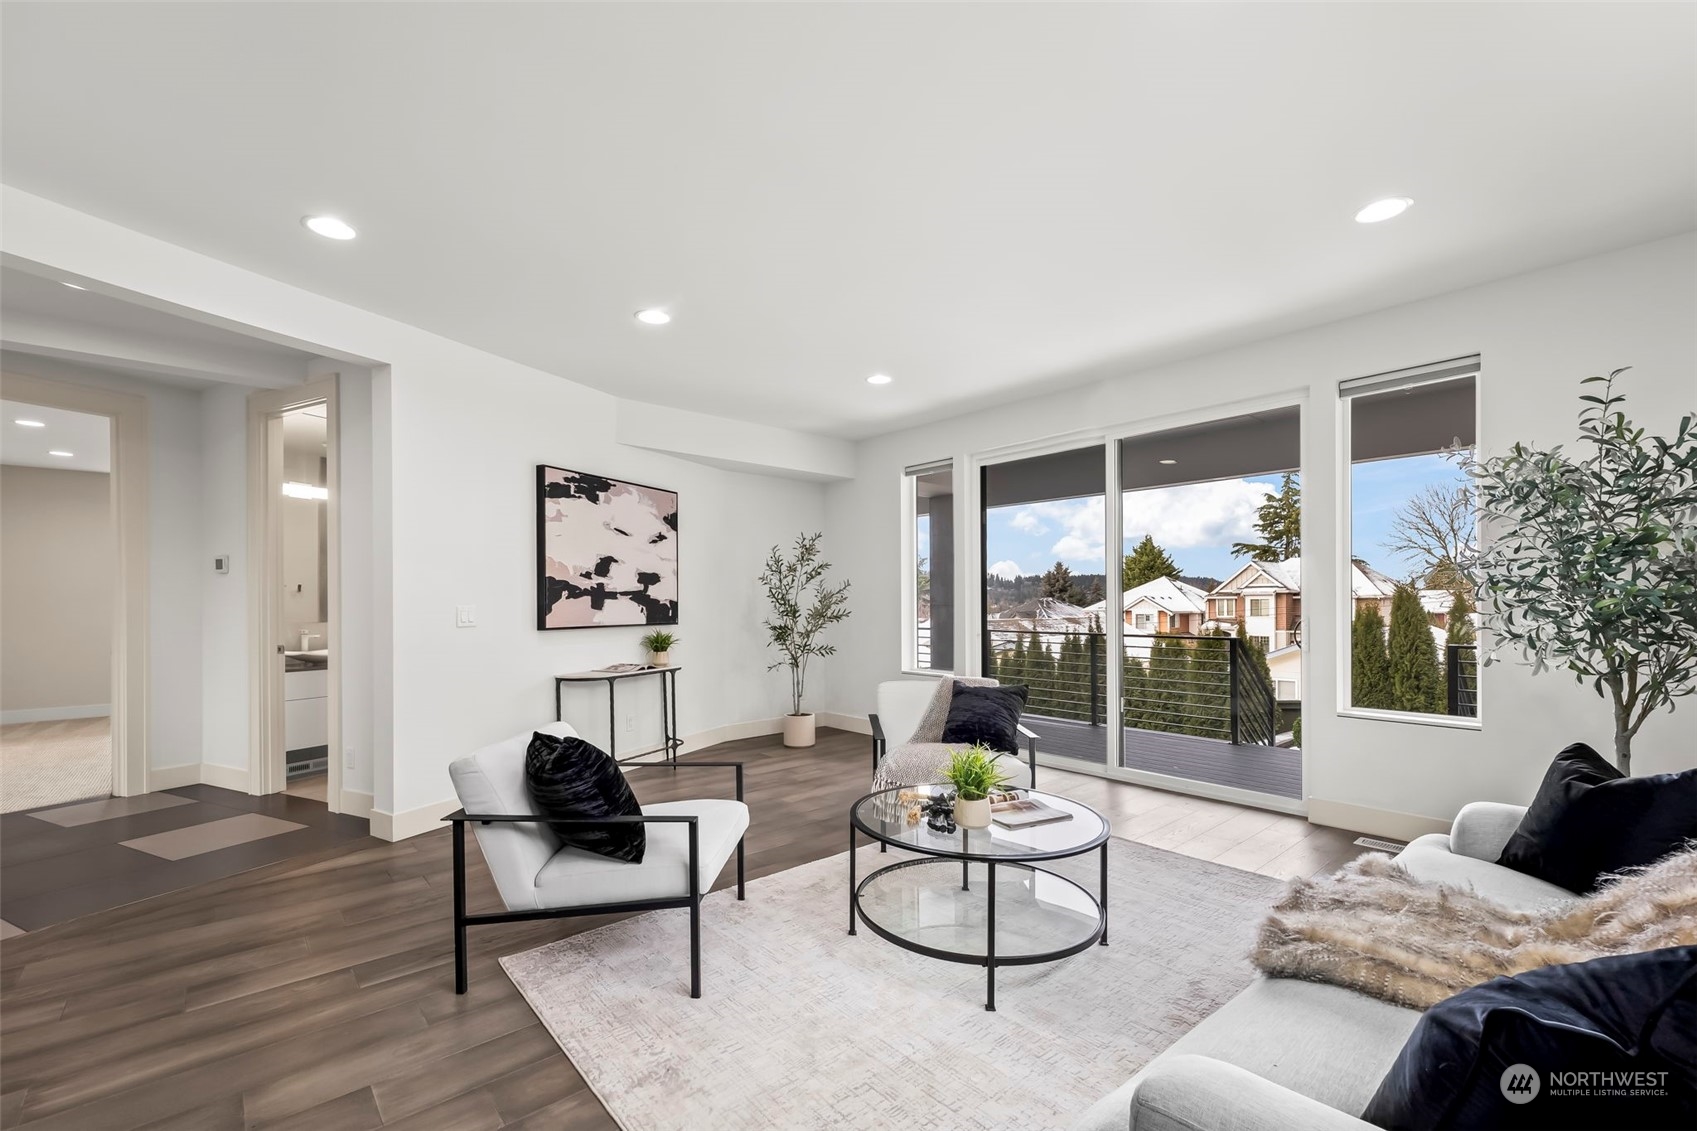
x,y
670,742
988,960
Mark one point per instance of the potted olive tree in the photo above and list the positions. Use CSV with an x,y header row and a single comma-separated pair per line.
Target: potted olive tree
x,y
804,605
1591,564
659,645
974,774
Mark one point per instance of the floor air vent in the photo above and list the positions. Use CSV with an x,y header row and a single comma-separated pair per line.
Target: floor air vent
x,y
1380,845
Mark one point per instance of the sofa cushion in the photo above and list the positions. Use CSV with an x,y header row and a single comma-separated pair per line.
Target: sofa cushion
x,y
1429,858
572,781
987,715
1488,1057
491,780
575,878
1589,820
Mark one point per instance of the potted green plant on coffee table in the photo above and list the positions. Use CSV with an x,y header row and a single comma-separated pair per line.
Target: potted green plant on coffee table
x,y
659,645
974,774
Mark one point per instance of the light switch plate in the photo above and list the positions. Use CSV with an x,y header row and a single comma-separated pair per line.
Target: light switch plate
x,y
465,616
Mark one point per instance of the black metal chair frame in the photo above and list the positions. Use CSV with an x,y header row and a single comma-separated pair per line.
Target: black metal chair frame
x,y
460,818
880,746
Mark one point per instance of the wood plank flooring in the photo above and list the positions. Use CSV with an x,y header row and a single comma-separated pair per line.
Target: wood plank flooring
x,y
318,992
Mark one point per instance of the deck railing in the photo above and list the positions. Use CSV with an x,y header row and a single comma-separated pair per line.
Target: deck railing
x,y
1461,679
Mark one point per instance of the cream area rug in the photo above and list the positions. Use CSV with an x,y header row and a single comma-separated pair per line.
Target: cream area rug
x,y
53,763
801,1025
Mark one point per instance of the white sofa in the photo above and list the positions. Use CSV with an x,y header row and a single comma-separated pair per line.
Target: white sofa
x,y
1287,1054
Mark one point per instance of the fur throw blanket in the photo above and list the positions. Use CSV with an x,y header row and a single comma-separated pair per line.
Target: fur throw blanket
x,y
1373,928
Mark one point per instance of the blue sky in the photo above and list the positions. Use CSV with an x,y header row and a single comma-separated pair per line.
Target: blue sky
x,y
1197,523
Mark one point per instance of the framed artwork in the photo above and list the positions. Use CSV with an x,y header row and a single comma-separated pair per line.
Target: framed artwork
x,y
606,551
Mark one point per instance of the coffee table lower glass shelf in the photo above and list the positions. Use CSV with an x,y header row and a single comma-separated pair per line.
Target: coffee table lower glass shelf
x,y
971,899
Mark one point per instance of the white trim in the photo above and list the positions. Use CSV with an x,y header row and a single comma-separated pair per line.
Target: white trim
x,y
412,822
55,714
174,777
1376,822
855,724
1417,718
355,804
224,777
1172,784
131,454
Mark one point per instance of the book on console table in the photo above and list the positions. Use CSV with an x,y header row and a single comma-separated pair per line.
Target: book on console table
x,y
1024,812
620,668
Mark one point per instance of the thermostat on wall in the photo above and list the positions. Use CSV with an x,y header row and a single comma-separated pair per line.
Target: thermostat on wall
x,y
221,564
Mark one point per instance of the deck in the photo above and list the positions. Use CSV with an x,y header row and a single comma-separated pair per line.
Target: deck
x,y
1264,769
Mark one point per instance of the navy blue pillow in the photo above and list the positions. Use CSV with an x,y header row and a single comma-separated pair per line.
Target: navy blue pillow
x,y
571,780
989,715
1522,1052
1588,819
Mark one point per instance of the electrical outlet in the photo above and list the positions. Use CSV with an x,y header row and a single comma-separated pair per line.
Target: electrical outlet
x,y
465,616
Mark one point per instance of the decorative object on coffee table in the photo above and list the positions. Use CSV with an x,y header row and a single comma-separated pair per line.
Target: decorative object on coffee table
x,y
974,774
803,607
1591,557
606,551
659,644
926,906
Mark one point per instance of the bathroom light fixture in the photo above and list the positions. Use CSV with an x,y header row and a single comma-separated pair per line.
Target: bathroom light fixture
x,y
329,227
305,491
60,454
73,286
879,379
653,317
1384,209
30,423
1169,462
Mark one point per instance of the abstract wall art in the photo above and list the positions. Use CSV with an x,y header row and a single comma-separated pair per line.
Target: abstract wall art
x,y
607,551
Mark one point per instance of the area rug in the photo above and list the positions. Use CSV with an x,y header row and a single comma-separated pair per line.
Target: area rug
x,y
53,763
803,1026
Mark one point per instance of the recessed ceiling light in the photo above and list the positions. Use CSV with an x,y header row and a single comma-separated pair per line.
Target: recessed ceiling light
x,y
879,379
1169,462
1383,209
73,286
61,455
31,423
653,317
329,227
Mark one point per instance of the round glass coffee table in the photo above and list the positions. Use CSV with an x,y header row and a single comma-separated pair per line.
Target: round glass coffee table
x,y
977,895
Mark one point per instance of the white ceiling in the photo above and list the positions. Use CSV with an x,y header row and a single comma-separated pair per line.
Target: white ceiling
x,y
981,200
87,437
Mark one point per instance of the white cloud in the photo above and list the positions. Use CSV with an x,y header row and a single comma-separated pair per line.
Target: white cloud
x,y
1026,521
1080,522
1008,570
1196,514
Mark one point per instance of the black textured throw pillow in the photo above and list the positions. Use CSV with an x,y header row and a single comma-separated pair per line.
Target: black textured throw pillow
x,y
1604,1043
1588,820
986,714
572,780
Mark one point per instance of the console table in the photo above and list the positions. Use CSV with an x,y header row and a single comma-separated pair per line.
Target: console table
x,y
669,741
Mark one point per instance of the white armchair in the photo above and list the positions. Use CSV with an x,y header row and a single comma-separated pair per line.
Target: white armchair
x,y
901,708
539,877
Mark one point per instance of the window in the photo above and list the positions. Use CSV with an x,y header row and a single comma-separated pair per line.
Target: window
x,y
1412,516
1261,642
1225,607
930,602
1143,622
1286,688
1260,606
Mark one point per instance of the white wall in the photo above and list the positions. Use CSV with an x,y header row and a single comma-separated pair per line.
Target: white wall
x,y
225,655
1538,335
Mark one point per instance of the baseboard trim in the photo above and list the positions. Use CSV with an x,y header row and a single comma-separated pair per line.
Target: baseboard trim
x,y
1375,822
731,732
173,777
55,714
226,777
855,724
356,804
411,822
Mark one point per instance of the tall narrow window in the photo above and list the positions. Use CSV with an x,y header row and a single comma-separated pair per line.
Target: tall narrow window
x,y
1411,634
931,570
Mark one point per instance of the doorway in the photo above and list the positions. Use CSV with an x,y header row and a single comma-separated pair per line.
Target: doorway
x,y
294,556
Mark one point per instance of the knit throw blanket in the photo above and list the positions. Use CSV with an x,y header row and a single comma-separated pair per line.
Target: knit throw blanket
x,y
1373,928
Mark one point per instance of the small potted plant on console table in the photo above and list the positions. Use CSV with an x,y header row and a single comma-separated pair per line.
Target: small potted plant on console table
x,y
974,774
659,645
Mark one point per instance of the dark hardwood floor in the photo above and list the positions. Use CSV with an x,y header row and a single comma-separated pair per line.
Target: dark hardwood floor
x,y
318,992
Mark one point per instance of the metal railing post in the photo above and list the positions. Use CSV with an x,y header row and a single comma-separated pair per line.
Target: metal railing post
x,y
1232,661
1095,670
1452,679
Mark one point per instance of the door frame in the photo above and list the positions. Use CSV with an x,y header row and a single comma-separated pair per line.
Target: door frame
x,y
267,754
130,456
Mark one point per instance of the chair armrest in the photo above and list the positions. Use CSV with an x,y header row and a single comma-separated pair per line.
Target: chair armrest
x,y
1482,828
877,728
460,816
1199,1093
737,766
1026,732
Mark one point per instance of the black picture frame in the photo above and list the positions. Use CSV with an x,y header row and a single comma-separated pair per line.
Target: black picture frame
x,y
658,611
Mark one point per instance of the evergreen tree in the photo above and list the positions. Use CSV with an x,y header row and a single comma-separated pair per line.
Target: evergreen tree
x,y
1134,691
1059,585
1416,683
1145,563
1210,691
1094,593
1072,668
1169,671
1460,631
1256,654
1040,674
1279,522
1370,666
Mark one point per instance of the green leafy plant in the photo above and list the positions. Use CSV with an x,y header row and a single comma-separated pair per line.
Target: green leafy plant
x,y
659,641
974,773
1591,563
803,607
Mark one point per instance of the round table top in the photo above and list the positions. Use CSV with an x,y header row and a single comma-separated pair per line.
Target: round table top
x,y
883,816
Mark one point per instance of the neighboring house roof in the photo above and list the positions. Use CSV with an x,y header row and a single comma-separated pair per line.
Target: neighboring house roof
x,y
1436,600
1165,593
1365,581
1286,575
1042,614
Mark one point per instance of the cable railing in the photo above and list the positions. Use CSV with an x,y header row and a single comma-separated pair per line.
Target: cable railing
x,y
1461,680
1208,686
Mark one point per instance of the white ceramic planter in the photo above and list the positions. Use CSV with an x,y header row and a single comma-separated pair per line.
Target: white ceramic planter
x,y
660,659
972,814
798,730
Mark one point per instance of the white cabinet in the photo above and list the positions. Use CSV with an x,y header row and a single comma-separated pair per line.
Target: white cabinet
x,y
306,709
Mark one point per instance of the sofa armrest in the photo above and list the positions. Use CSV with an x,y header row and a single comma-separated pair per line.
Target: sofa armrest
x,y
1482,828
1199,1093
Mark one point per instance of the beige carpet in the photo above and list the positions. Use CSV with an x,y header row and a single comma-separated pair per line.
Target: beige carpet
x,y
54,763
802,1026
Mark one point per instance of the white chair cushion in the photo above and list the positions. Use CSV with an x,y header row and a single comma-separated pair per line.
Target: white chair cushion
x,y
575,878
901,704
492,781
